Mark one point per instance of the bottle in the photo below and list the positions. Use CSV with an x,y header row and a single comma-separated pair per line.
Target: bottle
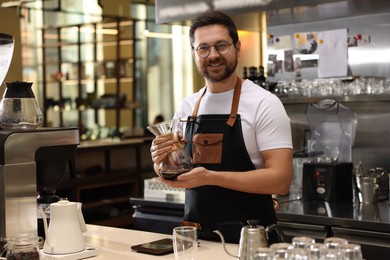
x,y
245,73
253,74
261,77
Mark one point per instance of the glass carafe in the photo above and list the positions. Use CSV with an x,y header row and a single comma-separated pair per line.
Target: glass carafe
x,y
18,108
6,51
177,161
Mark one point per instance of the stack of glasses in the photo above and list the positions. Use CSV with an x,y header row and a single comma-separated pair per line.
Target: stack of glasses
x,y
305,248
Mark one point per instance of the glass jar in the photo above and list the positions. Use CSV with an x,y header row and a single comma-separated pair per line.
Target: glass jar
x,y
23,247
18,108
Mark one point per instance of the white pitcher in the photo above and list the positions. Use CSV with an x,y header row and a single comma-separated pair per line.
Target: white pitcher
x,y
67,225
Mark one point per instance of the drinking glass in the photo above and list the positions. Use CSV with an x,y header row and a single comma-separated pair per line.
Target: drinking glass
x,y
352,251
335,242
185,244
302,242
281,250
333,254
298,254
316,251
264,253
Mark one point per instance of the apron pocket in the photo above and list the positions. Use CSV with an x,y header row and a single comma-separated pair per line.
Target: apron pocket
x,y
207,148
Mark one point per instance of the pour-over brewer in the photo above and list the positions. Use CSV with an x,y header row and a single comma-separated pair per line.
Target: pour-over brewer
x,y
32,162
328,176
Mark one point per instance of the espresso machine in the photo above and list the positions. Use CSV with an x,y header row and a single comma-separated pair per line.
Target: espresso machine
x,y
328,176
32,163
33,160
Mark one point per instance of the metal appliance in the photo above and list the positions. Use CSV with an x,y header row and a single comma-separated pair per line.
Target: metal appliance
x,y
32,163
329,176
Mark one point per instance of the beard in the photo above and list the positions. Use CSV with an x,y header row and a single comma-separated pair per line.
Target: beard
x,y
216,75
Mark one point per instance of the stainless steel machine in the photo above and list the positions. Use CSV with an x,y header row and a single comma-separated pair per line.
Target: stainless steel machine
x,y
32,163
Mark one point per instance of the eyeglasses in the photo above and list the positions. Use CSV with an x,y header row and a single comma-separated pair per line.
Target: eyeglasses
x,y
221,47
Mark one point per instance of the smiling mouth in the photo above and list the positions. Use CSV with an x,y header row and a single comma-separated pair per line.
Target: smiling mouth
x,y
215,64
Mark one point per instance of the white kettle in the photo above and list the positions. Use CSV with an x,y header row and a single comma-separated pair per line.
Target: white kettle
x,y
67,225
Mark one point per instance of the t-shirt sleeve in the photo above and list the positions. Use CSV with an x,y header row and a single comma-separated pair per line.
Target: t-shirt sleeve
x,y
273,129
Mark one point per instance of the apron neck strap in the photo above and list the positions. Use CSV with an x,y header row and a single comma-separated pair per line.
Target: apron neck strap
x,y
235,102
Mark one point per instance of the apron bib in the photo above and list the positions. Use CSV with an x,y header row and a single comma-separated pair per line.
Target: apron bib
x,y
216,143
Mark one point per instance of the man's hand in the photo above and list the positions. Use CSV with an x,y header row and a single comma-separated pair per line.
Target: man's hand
x,y
194,178
160,148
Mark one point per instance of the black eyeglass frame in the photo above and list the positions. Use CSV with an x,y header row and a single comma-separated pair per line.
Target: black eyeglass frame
x,y
215,47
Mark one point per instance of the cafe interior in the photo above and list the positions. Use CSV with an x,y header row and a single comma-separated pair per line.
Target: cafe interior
x,y
96,74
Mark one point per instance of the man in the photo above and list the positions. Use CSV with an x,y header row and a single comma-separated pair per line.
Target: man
x,y
239,137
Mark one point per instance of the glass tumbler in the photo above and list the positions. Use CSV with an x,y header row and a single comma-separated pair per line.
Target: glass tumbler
x,y
281,250
185,243
302,242
264,253
335,242
316,251
352,251
298,254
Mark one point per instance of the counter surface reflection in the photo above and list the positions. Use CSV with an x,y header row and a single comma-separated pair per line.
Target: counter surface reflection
x,y
372,217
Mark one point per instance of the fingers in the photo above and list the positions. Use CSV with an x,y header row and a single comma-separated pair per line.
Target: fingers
x,y
158,158
160,148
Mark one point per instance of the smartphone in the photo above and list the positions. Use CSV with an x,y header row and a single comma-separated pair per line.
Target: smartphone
x,y
159,247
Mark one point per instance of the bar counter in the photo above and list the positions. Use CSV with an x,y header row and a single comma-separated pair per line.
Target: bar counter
x,y
115,243
367,225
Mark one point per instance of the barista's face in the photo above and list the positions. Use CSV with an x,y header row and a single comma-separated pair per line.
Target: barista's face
x,y
215,67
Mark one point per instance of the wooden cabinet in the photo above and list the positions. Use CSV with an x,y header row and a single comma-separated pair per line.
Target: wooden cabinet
x,y
88,77
108,174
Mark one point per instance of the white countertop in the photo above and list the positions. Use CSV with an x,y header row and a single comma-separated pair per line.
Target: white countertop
x,y
115,243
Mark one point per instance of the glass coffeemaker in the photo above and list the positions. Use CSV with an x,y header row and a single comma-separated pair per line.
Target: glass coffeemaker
x,y
177,161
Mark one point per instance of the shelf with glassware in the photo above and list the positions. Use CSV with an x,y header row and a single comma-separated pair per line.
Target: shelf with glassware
x,y
346,90
88,76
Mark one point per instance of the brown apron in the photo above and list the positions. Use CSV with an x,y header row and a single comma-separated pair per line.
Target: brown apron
x,y
216,142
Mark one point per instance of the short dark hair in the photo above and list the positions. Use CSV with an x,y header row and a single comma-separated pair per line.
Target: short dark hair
x,y
210,18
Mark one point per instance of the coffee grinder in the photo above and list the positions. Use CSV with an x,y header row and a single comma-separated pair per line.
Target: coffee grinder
x,y
328,177
32,163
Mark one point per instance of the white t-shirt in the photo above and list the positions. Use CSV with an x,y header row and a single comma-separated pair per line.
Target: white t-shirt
x,y
264,121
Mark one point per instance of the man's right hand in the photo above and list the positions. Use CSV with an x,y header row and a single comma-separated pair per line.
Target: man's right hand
x,y
160,148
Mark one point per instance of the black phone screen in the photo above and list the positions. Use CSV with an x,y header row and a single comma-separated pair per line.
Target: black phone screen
x,y
158,247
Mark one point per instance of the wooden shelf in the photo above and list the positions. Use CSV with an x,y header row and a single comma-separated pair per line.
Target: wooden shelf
x,y
105,194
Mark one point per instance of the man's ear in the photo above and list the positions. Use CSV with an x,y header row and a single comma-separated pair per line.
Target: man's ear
x,y
237,46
